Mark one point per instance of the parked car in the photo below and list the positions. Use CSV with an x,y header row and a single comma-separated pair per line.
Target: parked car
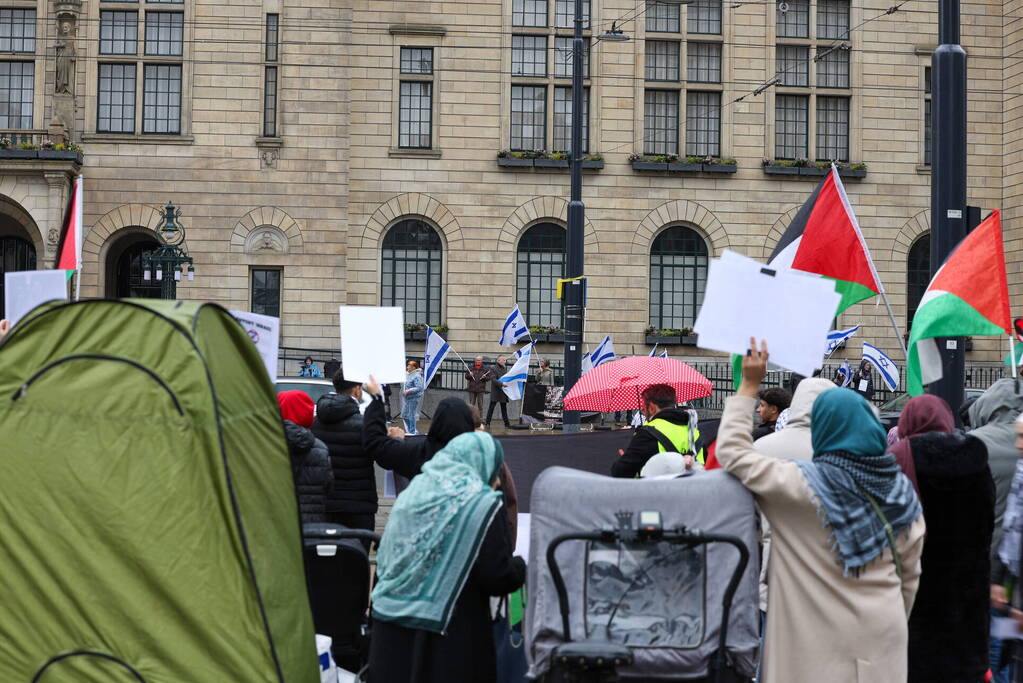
x,y
891,410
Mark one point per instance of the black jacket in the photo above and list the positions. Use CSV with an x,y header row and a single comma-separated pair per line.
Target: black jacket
x,y
497,394
338,424
310,466
763,429
465,654
859,375
406,457
644,445
948,628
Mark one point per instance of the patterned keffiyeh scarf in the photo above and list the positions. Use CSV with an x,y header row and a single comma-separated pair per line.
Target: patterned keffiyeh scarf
x,y
1012,524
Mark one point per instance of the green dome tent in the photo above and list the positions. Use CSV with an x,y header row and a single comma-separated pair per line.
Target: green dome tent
x,y
148,524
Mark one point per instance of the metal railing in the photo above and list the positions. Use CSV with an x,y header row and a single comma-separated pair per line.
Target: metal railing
x,y
451,375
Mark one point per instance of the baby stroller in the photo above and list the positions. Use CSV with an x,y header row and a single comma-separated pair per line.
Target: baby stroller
x,y
641,579
337,576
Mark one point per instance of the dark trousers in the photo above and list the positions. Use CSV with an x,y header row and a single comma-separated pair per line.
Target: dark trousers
x,y
476,399
504,412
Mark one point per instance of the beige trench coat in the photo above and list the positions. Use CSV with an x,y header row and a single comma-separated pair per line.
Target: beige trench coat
x,y
821,626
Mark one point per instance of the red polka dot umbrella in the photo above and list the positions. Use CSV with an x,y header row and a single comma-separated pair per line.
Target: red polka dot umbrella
x,y
618,384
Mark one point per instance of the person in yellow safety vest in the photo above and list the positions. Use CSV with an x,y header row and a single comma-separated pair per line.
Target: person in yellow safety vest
x,y
667,429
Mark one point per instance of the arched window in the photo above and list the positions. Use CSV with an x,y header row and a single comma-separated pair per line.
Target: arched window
x,y
918,275
541,263
15,254
411,271
678,276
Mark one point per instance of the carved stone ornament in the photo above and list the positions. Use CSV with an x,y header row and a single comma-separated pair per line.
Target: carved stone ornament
x,y
266,238
52,236
269,157
64,82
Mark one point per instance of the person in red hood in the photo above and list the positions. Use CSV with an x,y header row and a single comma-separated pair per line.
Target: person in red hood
x,y
310,461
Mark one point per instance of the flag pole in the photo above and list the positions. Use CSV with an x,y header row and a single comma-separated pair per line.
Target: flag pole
x,y
459,357
1012,359
895,325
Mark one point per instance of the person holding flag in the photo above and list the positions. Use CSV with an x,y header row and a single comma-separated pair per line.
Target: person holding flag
x,y
843,376
497,395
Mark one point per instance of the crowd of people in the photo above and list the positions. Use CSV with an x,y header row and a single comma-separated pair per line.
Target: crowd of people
x,y
882,559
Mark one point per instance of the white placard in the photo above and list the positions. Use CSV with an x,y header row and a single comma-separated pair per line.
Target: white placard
x,y
791,310
265,331
373,343
863,385
26,289
1005,628
522,536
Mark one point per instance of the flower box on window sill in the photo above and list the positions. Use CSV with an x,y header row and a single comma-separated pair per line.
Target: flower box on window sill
x,y
812,171
719,168
555,338
592,164
512,161
61,155
14,153
418,335
682,167
686,340
550,163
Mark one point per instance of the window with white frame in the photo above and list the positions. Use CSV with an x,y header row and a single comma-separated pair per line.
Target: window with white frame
x,y
140,67
415,98
812,101
541,72
677,36
17,71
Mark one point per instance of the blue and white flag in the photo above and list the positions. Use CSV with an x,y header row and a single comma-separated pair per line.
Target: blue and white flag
x,y
516,377
436,350
518,354
846,372
514,328
885,366
586,364
653,351
663,354
836,337
603,353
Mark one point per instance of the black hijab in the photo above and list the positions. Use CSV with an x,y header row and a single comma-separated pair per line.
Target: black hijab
x,y
451,418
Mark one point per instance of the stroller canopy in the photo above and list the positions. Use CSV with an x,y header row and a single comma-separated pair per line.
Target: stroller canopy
x,y
149,529
663,602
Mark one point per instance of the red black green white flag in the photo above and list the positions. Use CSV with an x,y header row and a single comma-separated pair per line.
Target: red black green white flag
x,y
69,249
969,295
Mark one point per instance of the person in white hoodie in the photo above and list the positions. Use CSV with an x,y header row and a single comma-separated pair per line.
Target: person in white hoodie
x,y
792,443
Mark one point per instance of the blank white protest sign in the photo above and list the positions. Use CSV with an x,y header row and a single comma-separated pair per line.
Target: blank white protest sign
x,y
373,343
792,311
26,289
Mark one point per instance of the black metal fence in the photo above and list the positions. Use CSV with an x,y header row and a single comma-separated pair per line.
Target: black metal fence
x,y
452,375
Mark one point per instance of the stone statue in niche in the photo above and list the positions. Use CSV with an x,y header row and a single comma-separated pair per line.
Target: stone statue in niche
x,y
65,48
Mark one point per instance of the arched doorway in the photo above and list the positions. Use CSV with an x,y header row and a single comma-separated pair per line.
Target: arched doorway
x,y
124,279
16,254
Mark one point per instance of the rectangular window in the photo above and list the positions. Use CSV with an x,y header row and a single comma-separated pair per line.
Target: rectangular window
x,y
173,2
790,135
662,60
118,33
415,115
564,13
17,90
703,123
563,57
529,56
266,291
417,60
660,122
704,17
927,115
661,18
528,117
270,102
832,129
704,62
163,33
563,120
116,102
833,68
792,61
161,104
17,30
529,13
794,22
832,19
273,27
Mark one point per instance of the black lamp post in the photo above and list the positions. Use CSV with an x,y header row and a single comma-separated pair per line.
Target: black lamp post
x,y
168,262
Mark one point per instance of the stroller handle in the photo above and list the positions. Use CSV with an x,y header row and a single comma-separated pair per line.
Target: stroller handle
x,y
344,532
680,535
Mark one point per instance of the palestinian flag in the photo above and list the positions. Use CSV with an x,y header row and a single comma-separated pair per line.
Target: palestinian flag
x,y
69,249
969,295
824,238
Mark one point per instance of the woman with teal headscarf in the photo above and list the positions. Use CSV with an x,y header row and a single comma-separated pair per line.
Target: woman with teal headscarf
x,y
847,538
441,559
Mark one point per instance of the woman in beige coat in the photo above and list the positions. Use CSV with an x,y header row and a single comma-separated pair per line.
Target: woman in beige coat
x,y
838,601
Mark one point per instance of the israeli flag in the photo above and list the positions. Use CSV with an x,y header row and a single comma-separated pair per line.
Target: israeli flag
x,y
653,351
836,337
846,372
663,354
516,377
586,364
436,350
603,353
885,366
518,354
514,328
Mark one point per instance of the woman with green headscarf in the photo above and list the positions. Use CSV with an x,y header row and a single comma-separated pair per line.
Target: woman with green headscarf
x,y
441,559
848,533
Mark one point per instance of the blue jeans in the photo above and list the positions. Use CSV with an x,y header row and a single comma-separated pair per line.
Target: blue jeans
x,y
1004,674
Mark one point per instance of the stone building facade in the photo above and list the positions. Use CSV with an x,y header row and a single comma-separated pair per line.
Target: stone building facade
x,y
367,152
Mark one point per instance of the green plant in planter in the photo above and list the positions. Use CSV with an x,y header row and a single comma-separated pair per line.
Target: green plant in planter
x,y
858,167
595,157
27,145
5,143
558,156
441,329
415,327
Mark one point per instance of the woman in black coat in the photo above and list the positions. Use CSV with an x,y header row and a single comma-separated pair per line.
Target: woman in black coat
x,y
863,381
310,462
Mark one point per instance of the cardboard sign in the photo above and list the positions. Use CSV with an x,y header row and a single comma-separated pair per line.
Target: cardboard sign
x,y
373,343
265,332
26,289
